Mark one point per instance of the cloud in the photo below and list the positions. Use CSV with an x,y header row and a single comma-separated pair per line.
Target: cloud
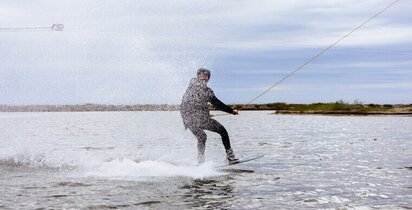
x,y
401,66
406,86
146,51
248,89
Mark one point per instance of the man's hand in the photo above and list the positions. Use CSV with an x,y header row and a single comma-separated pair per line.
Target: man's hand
x,y
235,112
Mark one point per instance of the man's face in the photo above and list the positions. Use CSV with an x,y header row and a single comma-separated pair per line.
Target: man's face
x,y
203,78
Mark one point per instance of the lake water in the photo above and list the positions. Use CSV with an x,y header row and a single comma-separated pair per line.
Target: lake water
x,y
146,160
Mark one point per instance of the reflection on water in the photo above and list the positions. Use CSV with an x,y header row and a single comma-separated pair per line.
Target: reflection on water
x,y
89,161
209,193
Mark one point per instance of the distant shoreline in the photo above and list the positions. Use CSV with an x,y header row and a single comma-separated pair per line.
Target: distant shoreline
x,y
342,113
335,108
88,108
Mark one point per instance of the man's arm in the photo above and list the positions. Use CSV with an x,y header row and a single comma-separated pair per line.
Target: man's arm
x,y
221,106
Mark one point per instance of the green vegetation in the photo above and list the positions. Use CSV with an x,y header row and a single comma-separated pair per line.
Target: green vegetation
x,y
338,107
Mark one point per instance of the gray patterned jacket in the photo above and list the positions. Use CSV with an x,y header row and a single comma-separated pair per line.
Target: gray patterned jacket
x,y
194,107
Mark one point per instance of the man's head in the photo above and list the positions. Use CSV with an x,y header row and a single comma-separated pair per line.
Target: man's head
x,y
203,75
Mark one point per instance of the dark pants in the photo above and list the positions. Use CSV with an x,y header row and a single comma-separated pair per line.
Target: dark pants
x,y
211,125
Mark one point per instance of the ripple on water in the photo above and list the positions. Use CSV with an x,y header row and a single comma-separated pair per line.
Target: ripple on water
x,y
311,162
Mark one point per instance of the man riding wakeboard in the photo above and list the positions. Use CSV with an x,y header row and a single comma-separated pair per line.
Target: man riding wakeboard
x,y
196,117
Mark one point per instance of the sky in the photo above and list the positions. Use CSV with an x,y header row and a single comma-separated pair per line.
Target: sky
x,y
141,52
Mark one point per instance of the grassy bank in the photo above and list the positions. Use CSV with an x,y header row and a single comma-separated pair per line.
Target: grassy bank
x,y
339,107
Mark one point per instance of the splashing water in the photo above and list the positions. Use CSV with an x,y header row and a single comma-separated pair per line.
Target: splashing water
x,y
148,160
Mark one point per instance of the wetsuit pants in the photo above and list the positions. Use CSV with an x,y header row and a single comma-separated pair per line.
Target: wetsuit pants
x,y
211,125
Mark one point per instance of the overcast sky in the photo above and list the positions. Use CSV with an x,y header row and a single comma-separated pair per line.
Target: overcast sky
x,y
133,52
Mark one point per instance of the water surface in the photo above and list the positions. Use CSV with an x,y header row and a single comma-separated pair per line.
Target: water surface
x,y
146,160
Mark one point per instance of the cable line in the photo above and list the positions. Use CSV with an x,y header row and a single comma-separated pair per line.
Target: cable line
x,y
318,54
54,27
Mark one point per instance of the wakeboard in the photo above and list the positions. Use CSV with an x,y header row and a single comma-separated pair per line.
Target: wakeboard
x,y
246,159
